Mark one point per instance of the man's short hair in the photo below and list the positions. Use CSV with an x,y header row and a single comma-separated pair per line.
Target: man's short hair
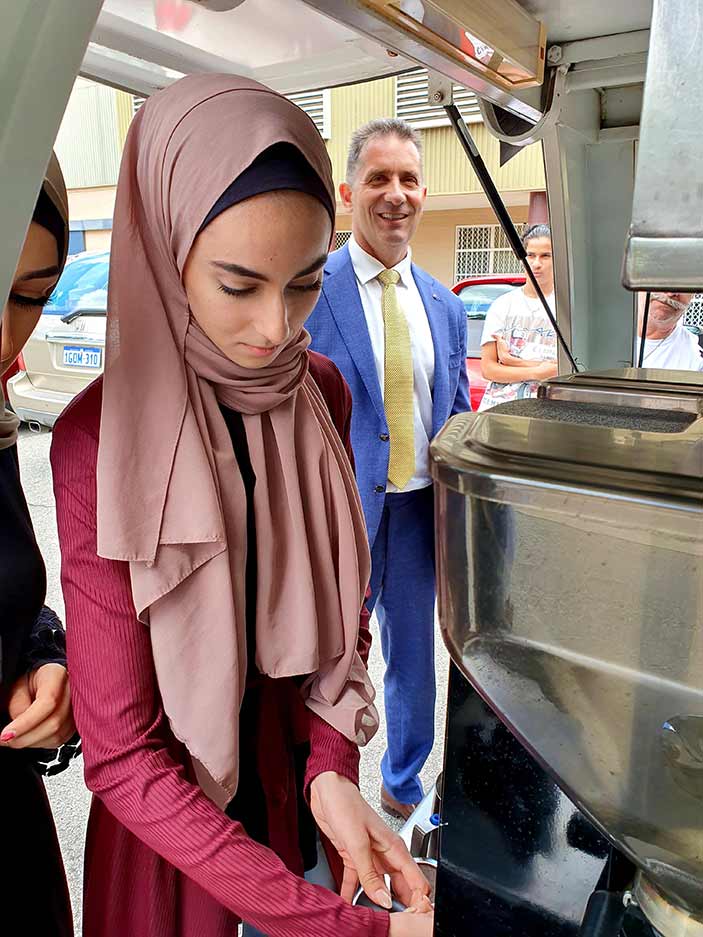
x,y
536,231
382,127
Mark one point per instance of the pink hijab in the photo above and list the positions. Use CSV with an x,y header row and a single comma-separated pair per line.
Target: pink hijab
x,y
171,500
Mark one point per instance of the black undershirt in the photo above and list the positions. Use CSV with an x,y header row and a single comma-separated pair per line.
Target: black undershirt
x,y
248,806
22,575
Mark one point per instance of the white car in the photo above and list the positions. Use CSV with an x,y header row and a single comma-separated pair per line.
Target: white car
x,y
67,348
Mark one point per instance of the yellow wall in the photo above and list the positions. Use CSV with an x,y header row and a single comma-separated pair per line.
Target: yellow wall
x,y
97,240
96,202
351,107
434,244
446,168
124,106
447,171
88,144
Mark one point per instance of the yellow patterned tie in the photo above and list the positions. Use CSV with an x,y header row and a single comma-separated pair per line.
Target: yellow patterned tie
x,y
397,383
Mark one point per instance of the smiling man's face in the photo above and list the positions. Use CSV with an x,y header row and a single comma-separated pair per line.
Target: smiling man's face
x,y
386,197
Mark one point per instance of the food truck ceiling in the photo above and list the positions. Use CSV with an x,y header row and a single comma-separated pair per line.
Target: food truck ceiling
x,y
497,49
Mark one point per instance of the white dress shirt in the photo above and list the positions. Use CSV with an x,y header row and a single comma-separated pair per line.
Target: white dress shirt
x,y
367,269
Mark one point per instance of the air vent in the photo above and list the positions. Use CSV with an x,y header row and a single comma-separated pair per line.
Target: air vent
x,y
316,104
411,102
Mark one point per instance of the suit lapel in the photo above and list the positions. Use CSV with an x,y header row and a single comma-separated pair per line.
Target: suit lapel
x,y
342,293
437,318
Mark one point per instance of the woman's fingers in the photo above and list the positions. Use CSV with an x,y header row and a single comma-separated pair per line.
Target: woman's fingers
x,y
406,876
350,883
420,903
46,722
371,880
368,847
20,698
49,734
38,714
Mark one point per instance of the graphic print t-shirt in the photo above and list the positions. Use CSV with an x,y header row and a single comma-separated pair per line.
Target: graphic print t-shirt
x,y
523,324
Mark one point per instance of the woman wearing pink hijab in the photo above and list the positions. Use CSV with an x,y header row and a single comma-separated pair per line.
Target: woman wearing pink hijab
x,y
214,549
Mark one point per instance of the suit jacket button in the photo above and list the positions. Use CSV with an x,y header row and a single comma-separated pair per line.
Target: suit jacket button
x,y
384,437
379,488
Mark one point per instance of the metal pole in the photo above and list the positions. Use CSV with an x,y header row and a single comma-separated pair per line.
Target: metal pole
x,y
643,336
506,223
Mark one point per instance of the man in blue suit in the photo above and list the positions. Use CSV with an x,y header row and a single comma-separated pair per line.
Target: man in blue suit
x,y
399,338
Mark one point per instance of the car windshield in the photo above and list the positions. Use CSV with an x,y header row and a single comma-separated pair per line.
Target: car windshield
x,y
478,297
82,276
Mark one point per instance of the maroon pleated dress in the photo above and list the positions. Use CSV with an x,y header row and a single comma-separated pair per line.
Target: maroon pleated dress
x,y
161,860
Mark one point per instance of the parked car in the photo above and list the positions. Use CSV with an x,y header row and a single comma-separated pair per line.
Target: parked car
x,y
477,294
66,349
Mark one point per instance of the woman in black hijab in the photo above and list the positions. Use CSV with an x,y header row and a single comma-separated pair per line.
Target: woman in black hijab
x,y
35,710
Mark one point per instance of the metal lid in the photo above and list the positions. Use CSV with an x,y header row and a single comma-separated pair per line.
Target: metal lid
x,y
652,388
580,438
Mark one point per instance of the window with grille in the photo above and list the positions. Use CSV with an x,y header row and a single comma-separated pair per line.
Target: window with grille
x,y
137,102
316,104
694,313
483,249
411,102
341,238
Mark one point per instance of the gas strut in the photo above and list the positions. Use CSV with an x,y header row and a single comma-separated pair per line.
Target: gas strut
x,y
645,321
506,222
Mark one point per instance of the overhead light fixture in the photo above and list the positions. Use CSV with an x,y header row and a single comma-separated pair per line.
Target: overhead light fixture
x,y
497,40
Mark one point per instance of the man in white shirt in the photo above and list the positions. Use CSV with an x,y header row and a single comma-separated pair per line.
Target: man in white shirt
x,y
399,338
668,343
519,344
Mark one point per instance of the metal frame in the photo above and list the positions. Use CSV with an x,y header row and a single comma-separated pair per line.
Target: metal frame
x,y
524,45
523,104
40,53
665,246
535,133
588,133
150,45
124,73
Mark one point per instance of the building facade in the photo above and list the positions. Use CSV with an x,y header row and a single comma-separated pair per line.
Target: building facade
x,y
458,236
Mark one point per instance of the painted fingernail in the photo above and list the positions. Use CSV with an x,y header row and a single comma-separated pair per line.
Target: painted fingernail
x,y
7,736
383,898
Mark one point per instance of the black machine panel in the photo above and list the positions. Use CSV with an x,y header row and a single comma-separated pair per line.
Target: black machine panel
x,y
517,858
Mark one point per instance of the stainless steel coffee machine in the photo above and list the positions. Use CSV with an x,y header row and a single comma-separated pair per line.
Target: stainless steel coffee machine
x,y
570,567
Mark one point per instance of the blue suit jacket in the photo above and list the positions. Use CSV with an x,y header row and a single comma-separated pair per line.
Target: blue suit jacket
x,y
338,329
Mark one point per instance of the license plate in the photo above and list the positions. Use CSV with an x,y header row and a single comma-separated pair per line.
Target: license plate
x,y
77,357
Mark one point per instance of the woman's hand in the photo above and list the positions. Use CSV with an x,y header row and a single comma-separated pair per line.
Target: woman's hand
x,y
40,708
368,848
412,923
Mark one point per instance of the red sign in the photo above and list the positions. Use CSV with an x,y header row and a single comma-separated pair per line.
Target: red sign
x,y
173,16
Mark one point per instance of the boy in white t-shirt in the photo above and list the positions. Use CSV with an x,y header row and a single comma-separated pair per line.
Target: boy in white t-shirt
x,y
518,343
668,343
